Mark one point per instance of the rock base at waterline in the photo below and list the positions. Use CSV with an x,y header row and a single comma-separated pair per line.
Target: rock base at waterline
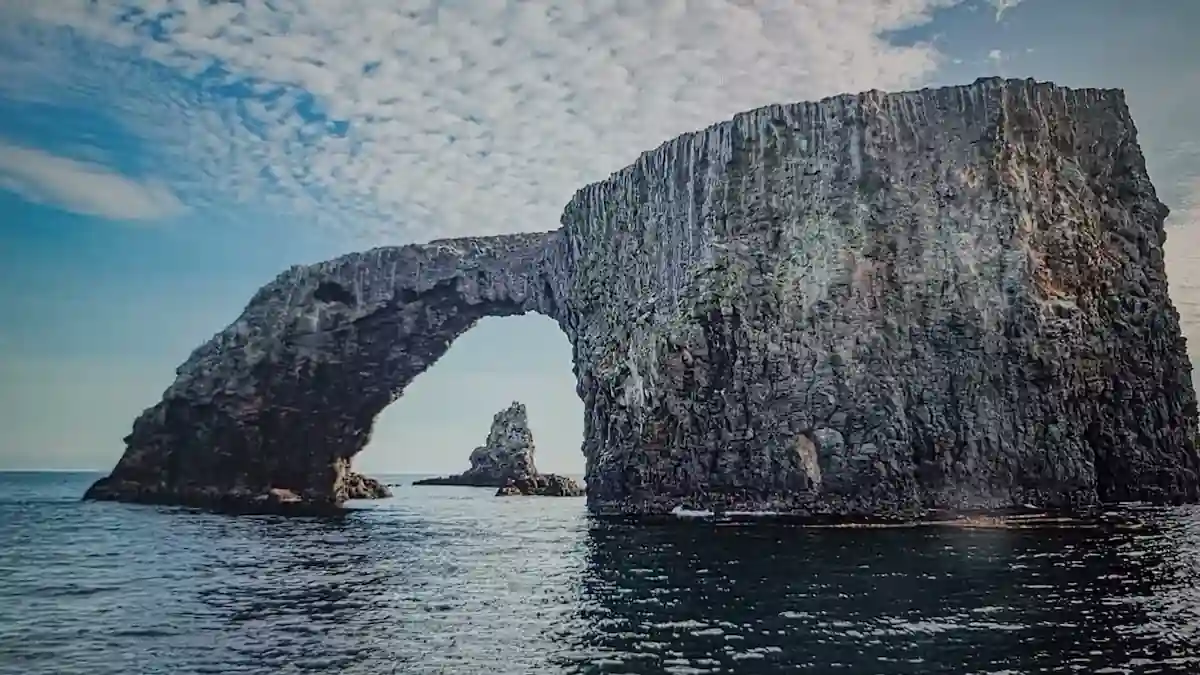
x,y
541,485
460,480
358,486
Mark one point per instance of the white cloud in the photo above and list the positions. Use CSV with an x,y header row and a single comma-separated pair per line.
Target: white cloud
x,y
461,116
1002,6
83,187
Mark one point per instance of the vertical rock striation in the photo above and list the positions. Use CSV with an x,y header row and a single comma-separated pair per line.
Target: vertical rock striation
x,y
872,305
883,304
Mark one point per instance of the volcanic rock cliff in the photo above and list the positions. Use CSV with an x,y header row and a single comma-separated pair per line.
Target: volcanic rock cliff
x,y
871,305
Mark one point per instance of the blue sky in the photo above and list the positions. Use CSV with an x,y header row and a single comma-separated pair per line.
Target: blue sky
x,y
161,159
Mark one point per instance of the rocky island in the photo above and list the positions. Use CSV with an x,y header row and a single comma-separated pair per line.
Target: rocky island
x,y
505,461
876,305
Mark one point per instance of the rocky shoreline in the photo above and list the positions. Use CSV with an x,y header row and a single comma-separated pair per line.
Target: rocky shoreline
x,y
268,502
457,481
1006,517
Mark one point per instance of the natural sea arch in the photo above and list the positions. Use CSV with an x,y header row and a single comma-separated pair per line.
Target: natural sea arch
x,y
878,304
287,395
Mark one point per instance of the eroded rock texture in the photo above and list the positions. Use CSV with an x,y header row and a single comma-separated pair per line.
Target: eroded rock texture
x,y
506,461
876,304
541,485
358,486
881,304
506,455
287,395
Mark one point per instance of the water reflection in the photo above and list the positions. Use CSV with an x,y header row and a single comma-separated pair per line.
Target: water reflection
x,y
454,581
460,589
699,597
292,594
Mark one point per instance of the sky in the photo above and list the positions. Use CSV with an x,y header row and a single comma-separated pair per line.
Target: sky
x,y
162,159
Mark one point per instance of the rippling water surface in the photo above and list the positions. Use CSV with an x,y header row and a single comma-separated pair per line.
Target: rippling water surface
x,y
452,580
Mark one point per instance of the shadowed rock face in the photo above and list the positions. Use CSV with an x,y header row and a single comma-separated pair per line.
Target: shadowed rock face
x,y
872,305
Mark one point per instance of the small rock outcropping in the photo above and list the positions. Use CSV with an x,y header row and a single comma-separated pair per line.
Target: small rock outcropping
x,y
505,461
359,486
541,485
876,305
506,455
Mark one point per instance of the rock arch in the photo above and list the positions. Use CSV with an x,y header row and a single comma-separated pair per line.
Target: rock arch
x,y
285,396
871,305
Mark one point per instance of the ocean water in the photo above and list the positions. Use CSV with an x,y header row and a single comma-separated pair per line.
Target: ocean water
x,y
453,580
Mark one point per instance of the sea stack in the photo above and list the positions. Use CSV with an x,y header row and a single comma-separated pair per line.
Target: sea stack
x,y
876,305
507,453
505,461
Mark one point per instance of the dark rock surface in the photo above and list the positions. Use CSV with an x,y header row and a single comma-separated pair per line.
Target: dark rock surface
x,y
359,486
872,305
541,485
507,454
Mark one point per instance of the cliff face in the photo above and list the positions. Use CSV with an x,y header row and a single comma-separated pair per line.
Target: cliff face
x,y
877,304
882,303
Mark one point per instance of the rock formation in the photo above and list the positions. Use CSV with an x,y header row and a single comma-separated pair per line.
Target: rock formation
x,y
541,485
871,305
507,454
505,461
359,486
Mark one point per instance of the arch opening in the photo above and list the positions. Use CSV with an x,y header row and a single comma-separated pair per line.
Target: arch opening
x,y
446,411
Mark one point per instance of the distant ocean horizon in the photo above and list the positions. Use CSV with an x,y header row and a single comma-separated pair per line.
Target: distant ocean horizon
x,y
455,580
376,474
